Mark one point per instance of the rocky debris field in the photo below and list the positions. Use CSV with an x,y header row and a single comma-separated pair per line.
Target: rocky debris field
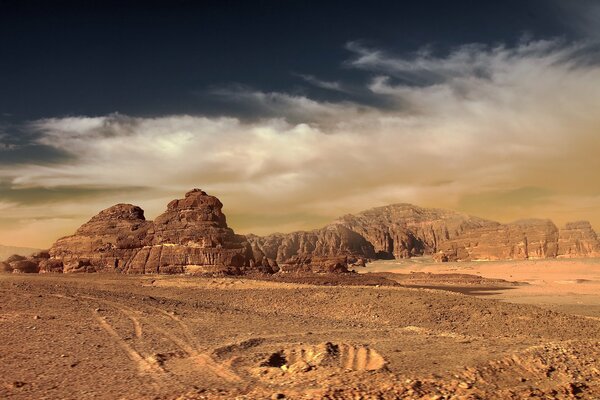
x,y
103,336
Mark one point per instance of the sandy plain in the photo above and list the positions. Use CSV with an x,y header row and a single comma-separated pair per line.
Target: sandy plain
x,y
570,285
518,330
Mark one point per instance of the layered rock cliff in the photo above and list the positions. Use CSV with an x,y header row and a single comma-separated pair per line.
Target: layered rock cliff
x,y
322,250
404,230
578,239
191,236
526,239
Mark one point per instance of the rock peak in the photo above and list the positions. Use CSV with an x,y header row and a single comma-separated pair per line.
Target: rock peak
x,y
196,192
121,211
191,236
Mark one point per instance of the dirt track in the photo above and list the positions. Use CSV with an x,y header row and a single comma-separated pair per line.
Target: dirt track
x,y
104,336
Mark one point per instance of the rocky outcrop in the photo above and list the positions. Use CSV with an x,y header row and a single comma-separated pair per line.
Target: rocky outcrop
x,y
322,249
405,230
191,236
20,264
105,243
526,239
578,239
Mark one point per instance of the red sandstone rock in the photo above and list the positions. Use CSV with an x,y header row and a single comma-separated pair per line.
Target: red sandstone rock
x,y
527,239
404,230
322,247
191,236
105,243
578,239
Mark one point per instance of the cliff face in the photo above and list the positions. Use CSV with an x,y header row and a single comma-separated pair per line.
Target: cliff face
x,y
191,236
331,241
403,230
578,239
527,239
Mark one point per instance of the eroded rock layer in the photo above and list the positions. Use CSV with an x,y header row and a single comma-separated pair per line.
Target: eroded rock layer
x,y
578,239
191,236
403,231
321,250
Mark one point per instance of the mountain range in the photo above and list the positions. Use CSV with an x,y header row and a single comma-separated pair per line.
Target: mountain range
x,y
192,236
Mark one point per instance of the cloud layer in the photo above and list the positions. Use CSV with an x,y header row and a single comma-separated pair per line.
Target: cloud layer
x,y
458,130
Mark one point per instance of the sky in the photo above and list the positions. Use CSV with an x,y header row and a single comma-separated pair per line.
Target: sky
x,y
294,113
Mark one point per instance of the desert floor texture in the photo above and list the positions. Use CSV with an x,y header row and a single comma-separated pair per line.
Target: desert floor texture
x,y
492,330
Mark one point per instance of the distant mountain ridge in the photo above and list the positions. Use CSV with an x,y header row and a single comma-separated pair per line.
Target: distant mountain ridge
x,y
405,230
192,237
7,251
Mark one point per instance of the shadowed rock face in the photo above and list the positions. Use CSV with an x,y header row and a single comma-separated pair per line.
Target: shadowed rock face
x,y
191,236
321,250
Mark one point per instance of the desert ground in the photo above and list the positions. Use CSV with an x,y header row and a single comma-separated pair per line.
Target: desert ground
x,y
569,285
493,330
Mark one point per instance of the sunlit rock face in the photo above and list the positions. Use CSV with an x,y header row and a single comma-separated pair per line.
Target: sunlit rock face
x,y
405,230
191,236
521,240
578,239
107,242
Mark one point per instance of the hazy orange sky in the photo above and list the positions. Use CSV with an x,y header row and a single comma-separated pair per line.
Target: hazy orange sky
x,y
501,131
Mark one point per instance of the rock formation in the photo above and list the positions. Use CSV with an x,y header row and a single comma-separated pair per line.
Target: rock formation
x,y
403,231
105,243
578,239
320,250
21,264
526,239
191,236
